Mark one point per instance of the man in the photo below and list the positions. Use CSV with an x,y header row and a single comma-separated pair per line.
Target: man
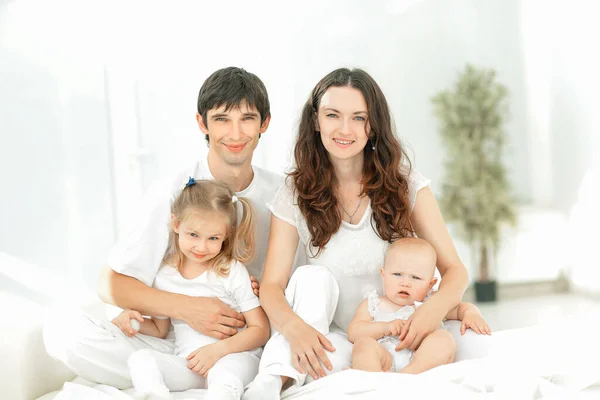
x,y
233,113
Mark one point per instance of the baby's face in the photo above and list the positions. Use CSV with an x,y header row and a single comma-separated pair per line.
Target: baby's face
x,y
408,275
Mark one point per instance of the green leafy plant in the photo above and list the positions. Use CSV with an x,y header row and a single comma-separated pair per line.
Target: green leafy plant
x,y
475,192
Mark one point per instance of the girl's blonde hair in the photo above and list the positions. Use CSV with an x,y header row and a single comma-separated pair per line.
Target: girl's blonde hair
x,y
212,196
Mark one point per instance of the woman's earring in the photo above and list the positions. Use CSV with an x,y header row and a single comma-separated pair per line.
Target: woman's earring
x,y
372,144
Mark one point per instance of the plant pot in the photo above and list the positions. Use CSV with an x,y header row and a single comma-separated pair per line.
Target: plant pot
x,y
485,291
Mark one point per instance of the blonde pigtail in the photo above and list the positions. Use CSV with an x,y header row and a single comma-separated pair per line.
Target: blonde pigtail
x,y
244,242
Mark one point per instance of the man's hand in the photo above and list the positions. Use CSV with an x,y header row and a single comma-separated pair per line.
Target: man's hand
x,y
255,285
211,317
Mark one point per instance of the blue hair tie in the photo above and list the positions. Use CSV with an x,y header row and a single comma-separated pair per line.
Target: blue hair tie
x,y
191,181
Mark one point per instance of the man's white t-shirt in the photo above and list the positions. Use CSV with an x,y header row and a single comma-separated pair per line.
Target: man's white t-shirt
x,y
139,252
235,290
354,254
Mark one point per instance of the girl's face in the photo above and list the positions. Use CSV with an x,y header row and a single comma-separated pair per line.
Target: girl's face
x,y
201,236
342,119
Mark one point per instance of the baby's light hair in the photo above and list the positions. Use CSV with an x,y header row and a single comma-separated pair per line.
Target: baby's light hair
x,y
412,243
214,197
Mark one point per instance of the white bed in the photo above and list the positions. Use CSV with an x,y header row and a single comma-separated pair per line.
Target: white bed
x,y
543,362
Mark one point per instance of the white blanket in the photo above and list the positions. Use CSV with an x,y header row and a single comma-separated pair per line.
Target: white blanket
x,y
548,362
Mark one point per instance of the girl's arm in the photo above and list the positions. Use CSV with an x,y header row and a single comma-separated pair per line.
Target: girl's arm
x,y
362,325
148,326
157,327
255,335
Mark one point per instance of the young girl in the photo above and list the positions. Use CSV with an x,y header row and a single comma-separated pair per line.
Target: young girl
x,y
206,250
408,280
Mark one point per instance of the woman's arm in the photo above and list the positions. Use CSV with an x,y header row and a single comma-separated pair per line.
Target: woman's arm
x,y
429,224
306,343
283,241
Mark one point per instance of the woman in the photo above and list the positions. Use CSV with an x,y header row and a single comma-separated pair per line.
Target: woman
x,y
351,193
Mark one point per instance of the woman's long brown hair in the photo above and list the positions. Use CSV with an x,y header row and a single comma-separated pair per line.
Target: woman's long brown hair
x,y
383,181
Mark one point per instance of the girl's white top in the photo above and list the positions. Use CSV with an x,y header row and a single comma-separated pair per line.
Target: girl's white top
x,y
235,290
354,253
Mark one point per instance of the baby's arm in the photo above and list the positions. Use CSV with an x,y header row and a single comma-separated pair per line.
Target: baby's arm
x,y
471,317
362,325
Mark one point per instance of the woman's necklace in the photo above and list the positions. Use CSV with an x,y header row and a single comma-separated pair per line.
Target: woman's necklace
x,y
354,213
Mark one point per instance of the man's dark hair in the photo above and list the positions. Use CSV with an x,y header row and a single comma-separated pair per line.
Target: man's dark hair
x,y
229,87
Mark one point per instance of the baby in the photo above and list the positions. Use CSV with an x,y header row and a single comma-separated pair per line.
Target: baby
x,y
408,280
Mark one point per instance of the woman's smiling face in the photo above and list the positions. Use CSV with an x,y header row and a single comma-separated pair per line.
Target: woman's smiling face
x,y
343,122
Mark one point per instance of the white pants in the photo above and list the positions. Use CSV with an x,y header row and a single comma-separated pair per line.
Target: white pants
x,y
157,373
94,348
312,292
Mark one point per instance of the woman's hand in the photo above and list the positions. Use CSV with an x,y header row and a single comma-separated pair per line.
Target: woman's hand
x,y
203,359
425,320
308,348
122,321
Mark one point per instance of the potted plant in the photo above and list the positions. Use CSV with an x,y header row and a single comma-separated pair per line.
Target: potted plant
x,y
475,192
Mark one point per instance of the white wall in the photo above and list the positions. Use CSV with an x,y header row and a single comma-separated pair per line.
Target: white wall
x,y
97,101
54,162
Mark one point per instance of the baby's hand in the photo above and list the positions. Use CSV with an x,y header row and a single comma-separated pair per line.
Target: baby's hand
x,y
474,320
123,321
394,327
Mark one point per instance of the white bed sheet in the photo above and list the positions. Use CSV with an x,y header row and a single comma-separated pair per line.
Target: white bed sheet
x,y
558,361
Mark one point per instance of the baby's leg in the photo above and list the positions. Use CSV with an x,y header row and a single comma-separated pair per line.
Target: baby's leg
x,y
156,374
436,349
369,355
230,375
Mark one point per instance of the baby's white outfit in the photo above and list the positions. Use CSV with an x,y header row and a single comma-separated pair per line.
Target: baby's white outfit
x,y
400,359
154,373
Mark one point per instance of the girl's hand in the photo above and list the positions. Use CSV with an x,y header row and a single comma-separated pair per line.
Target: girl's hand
x,y
424,321
203,359
308,348
394,328
474,320
122,321
255,285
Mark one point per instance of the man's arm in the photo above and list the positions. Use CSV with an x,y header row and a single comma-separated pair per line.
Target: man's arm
x,y
129,293
207,315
